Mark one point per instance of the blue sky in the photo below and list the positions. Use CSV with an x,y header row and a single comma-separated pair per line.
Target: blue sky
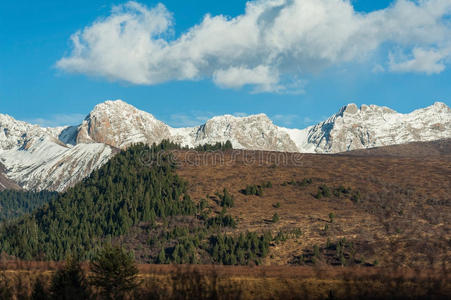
x,y
44,79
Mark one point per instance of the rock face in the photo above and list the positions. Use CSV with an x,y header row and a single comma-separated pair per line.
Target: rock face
x,y
38,158
119,124
373,126
5,182
255,132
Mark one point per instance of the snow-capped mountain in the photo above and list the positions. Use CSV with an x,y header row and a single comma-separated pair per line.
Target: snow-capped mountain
x,y
56,158
254,132
373,126
36,158
119,124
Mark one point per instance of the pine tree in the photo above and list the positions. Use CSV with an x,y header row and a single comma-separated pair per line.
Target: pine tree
x,y
227,199
228,145
331,217
161,257
69,282
39,291
114,272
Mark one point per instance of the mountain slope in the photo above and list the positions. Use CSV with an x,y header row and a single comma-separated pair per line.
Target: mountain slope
x,y
5,182
413,149
378,208
36,159
399,215
112,199
373,126
56,158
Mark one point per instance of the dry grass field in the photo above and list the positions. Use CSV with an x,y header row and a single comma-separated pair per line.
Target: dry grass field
x,y
264,282
401,218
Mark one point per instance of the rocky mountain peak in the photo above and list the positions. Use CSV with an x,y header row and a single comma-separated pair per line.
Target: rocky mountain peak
x,y
113,106
231,119
439,107
120,124
56,158
372,126
353,110
14,133
250,132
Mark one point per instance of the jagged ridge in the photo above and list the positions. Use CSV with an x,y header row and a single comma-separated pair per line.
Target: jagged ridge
x,y
55,158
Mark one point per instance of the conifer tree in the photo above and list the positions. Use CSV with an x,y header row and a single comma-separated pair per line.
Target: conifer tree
x,y
114,272
161,257
69,282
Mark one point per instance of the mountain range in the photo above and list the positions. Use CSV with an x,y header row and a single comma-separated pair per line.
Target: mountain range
x,y
37,158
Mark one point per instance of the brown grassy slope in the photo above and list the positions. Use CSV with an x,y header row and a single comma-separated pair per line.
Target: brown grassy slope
x,y
402,218
414,149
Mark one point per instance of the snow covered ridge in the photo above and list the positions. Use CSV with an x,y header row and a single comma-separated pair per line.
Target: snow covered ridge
x,y
373,126
56,158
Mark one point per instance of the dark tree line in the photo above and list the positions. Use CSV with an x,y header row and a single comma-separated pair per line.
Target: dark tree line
x,y
239,250
215,147
14,203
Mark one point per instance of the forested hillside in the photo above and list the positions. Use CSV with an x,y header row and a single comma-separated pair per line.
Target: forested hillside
x,y
124,192
15,203
138,189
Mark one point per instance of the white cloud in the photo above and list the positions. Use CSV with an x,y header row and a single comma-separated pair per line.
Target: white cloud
x,y
422,61
236,77
58,120
377,68
273,42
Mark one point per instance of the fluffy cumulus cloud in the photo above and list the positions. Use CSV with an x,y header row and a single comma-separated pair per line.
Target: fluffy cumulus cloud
x,y
236,77
269,47
429,61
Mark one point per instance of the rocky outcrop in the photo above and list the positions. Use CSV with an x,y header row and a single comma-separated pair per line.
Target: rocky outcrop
x,y
373,126
5,182
119,124
38,158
